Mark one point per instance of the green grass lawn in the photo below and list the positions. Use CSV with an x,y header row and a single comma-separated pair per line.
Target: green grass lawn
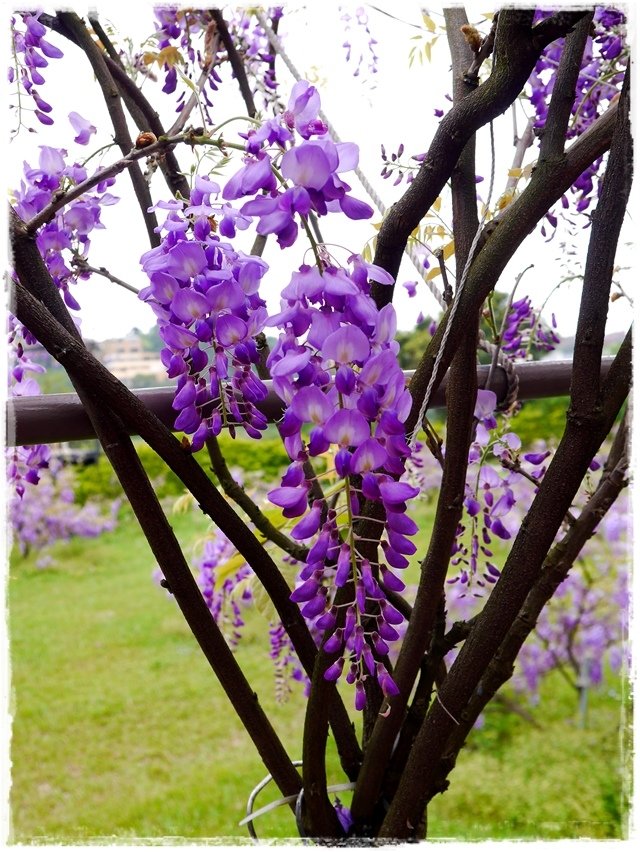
x,y
121,730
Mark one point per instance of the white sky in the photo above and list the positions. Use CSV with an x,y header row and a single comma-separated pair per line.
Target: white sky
x,y
399,108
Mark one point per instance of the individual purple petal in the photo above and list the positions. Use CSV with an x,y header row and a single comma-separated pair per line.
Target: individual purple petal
x,y
347,428
306,165
311,405
335,642
485,404
360,697
188,305
355,209
368,456
230,329
402,523
346,345
472,506
498,528
397,492
401,544
310,524
390,614
83,128
177,337
287,497
186,259
315,606
305,592
342,463
294,361
343,568
335,670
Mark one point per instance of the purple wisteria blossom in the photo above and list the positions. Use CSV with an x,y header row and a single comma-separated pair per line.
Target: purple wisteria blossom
x,y
205,297
335,366
66,238
83,128
525,330
31,51
40,517
598,84
312,167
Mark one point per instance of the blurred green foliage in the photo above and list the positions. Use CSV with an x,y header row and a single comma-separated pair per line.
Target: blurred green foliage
x,y
266,456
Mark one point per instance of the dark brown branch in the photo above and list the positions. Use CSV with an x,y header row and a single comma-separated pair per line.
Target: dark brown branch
x,y
237,493
146,118
554,571
556,26
578,446
105,41
549,182
554,134
516,53
486,48
236,62
82,265
73,23
606,224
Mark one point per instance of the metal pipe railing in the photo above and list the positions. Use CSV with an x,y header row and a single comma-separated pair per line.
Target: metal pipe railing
x,y
53,418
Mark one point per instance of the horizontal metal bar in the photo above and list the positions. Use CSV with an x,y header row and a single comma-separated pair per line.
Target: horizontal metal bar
x,y
52,418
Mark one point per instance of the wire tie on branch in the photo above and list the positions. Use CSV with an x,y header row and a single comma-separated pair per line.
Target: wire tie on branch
x,y
450,715
285,800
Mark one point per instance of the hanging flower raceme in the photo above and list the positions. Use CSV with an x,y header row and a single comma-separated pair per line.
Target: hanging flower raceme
x,y
205,296
312,166
31,51
335,366
64,242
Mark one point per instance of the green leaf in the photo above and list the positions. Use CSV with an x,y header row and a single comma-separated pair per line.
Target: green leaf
x,y
229,568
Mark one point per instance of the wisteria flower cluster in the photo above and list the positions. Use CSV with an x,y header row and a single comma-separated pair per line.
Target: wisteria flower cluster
x,y
41,516
259,59
312,166
66,237
205,297
31,51
599,82
177,32
225,599
335,366
524,330
359,44
181,26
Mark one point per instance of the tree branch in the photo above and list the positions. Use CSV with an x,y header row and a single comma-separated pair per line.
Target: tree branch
x,y
236,63
554,571
606,225
162,541
549,182
112,100
586,428
516,52
237,493
554,134
433,572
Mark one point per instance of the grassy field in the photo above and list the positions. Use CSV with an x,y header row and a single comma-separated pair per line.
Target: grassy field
x,y
120,729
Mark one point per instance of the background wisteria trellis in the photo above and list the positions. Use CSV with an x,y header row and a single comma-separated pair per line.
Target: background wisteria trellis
x,y
399,650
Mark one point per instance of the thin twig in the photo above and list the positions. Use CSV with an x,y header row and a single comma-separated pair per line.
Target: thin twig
x,y
82,265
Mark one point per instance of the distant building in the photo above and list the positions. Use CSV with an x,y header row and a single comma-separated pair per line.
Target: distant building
x,y
127,358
